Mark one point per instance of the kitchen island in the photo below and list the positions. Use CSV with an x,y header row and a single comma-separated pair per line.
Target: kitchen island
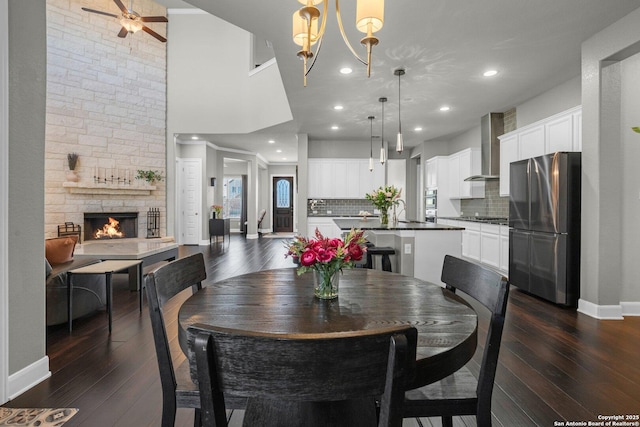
x,y
420,246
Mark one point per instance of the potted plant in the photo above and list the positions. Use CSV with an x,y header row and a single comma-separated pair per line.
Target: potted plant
x,y
72,161
150,176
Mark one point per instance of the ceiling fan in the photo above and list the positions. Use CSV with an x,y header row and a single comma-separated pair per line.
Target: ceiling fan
x,y
131,20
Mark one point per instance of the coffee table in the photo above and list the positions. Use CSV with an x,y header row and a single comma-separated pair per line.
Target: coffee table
x,y
107,268
149,251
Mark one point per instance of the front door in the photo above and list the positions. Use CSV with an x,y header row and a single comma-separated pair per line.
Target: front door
x,y
282,204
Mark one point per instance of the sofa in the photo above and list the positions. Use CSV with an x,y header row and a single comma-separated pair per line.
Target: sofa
x,y
89,291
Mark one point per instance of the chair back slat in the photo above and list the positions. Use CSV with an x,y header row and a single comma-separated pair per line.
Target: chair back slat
x,y
313,367
491,289
161,285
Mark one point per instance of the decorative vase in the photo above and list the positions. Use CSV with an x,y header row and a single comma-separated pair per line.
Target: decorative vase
x,y
384,217
72,176
325,284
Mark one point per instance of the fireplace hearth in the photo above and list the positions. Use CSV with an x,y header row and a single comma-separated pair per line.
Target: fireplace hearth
x,y
110,225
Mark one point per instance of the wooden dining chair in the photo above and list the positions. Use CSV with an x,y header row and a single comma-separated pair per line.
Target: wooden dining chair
x,y
305,380
461,393
162,285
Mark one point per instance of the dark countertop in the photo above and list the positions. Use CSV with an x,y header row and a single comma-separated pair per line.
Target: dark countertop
x,y
485,220
374,224
332,215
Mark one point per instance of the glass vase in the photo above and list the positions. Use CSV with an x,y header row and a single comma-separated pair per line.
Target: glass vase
x,y
325,283
384,217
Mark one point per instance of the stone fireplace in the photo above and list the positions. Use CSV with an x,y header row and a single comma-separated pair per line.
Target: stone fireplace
x,y
110,225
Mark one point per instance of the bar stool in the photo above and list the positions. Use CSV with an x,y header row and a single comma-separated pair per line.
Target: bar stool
x,y
384,251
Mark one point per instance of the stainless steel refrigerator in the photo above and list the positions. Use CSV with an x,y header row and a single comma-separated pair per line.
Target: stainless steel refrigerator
x,y
544,216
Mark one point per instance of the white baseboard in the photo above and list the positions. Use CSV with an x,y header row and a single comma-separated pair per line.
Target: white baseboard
x,y
630,308
252,236
28,377
609,312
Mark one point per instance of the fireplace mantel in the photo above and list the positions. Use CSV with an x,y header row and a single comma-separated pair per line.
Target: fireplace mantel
x,y
83,188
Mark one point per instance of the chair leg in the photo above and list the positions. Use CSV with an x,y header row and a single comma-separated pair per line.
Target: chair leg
x,y
168,413
386,263
197,421
447,422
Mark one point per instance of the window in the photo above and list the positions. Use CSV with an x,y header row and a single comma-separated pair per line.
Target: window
x,y
282,194
232,197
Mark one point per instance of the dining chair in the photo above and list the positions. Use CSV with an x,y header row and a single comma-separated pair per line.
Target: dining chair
x,y
297,376
461,393
162,285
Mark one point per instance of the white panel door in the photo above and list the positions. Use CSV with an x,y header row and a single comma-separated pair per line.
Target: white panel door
x,y
190,201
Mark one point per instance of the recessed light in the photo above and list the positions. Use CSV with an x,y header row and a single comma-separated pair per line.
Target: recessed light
x,y
445,108
278,151
271,141
194,137
490,73
346,70
334,127
417,129
338,107
284,158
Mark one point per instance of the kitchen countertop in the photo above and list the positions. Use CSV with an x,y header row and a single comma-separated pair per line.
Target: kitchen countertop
x,y
332,215
374,224
485,220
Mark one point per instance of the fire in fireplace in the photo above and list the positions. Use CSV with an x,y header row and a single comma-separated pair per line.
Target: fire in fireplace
x,y
110,225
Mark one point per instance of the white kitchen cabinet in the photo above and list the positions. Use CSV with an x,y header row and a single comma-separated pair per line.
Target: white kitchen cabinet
x,y
343,178
560,132
508,153
490,245
437,172
471,245
327,227
504,249
531,142
462,165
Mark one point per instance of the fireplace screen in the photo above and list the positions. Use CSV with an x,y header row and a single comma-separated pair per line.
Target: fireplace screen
x,y
110,225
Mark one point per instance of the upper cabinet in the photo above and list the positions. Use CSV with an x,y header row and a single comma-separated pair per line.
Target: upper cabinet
x,y
462,165
560,132
343,178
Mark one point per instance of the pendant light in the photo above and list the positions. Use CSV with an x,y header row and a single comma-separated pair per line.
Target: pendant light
x,y
371,147
383,154
399,143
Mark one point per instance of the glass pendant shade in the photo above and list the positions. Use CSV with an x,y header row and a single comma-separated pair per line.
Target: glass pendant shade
x,y
399,143
369,15
131,25
371,163
383,155
300,31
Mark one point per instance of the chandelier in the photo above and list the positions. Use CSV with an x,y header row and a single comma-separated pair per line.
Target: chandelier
x,y
369,19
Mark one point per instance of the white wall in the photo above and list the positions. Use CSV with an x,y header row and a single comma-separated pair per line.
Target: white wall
x,y
556,100
630,156
470,138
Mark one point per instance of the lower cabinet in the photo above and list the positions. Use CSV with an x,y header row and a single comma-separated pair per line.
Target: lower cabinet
x,y
325,225
487,244
490,245
471,241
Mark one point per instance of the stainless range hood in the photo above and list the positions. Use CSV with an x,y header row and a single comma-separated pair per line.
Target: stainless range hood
x,y
491,126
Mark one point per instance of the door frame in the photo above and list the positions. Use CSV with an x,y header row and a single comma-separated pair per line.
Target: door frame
x,y
4,197
180,161
295,199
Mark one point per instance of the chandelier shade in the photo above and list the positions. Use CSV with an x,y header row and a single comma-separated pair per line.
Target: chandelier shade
x,y
369,19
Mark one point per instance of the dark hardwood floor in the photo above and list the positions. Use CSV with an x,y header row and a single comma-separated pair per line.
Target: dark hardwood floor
x,y
555,364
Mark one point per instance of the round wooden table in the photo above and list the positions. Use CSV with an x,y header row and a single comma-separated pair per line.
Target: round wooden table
x,y
280,301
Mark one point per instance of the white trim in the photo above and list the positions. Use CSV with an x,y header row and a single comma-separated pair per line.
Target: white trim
x,y
262,67
28,377
630,308
608,312
4,201
251,236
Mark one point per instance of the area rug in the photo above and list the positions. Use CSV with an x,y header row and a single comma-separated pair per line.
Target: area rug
x,y
41,417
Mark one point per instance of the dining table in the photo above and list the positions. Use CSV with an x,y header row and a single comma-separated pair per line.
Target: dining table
x,y
281,301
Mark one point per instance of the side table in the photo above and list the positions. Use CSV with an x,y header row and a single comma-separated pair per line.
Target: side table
x,y
107,268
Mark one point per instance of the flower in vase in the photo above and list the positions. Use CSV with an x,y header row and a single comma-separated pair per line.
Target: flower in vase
x,y
326,254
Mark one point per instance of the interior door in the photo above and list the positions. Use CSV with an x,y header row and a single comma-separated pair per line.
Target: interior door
x,y
282,204
190,201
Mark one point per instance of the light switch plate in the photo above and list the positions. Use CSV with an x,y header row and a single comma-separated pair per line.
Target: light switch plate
x,y
407,248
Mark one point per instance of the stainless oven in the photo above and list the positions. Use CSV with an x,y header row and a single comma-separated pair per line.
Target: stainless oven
x,y
430,199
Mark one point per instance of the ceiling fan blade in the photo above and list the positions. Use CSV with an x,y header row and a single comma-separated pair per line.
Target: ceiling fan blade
x,y
123,33
153,19
86,9
153,33
121,6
